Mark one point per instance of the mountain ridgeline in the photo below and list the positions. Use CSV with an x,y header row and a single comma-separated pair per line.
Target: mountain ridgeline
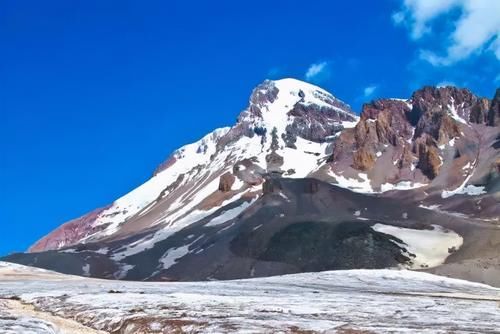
x,y
301,183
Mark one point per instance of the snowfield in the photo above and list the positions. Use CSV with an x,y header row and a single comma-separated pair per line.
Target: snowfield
x,y
430,247
356,301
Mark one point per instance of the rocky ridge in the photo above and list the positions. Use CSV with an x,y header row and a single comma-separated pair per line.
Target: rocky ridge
x,y
436,152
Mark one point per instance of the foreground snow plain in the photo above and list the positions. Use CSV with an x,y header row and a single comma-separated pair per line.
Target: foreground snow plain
x,y
355,301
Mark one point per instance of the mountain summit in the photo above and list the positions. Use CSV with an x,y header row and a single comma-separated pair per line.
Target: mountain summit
x,y
285,129
301,183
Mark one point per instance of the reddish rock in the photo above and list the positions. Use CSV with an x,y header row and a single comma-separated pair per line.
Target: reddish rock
x,y
429,161
363,159
69,233
226,181
406,159
432,100
415,128
391,119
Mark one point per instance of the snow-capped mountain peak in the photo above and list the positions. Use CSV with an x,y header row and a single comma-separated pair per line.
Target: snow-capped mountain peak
x,y
272,104
284,129
223,199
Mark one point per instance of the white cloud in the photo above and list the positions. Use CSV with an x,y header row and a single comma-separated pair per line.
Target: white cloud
x,y
476,30
398,18
418,14
368,91
445,84
317,71
433,58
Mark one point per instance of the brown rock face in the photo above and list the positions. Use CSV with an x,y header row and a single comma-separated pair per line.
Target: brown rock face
x,y
391,118
479,112
429,160
363,159
430,112
226,182
415,133
406,159
383,122
494,112
431,100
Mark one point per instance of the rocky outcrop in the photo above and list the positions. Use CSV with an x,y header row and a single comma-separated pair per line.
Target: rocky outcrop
x,y
69,233
433,109
494,112
479,111
431,100
210,189
429,160
363,159
398,140
226,182
315,123
382,122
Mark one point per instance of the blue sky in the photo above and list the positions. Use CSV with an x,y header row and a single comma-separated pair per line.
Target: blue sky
x,y
95,94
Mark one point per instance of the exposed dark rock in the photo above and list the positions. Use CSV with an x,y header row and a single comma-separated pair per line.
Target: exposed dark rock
x,y
432,100
494,112
479,111
314,123
419,131
316,246
172,186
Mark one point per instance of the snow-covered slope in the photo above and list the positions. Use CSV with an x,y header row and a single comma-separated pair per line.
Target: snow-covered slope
x,y
188,186
357,301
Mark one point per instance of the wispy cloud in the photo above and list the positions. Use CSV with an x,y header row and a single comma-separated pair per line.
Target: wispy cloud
x,y
446,83
475,31
274,72
369,91
318,72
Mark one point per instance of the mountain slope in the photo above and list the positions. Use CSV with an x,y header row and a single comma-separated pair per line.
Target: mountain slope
x,y
264,197
232,160
439,142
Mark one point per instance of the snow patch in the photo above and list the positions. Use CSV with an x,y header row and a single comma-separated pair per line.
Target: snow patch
x,y
172,255
238,184
198,153
229,214
355,185
471,190
124,269
452,111
460,189
86,270
403,185
430,247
